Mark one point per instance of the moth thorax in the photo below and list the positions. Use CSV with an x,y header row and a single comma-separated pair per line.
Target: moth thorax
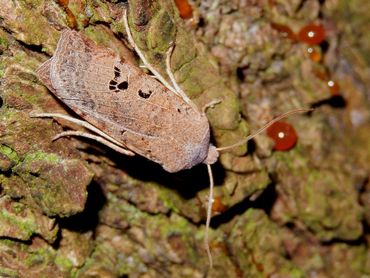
x,y
212,155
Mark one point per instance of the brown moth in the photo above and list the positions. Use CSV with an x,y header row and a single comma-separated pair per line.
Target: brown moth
x,y
118,98
130,111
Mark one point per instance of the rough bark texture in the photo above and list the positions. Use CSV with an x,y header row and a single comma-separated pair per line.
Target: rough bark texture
x,y
73,208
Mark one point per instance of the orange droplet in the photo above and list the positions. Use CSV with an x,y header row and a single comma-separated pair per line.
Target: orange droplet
x,y
333,87
312,34
322,75
314,54
185,10
63,3
284,30
72,22
283,134
218,206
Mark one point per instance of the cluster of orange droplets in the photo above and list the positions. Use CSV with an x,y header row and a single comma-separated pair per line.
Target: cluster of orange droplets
x,y
282,133
312,34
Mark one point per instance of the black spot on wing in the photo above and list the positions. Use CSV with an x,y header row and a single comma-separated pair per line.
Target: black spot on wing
x,y
117,73
123,85
114,86
145,94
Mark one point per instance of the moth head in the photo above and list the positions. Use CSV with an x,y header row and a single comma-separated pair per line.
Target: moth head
x,y
212,155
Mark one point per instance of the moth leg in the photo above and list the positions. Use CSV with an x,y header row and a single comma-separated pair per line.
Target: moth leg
x,y
96,138
141,55
78,122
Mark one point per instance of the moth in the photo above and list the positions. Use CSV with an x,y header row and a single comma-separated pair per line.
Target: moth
x,y
128,110
118,98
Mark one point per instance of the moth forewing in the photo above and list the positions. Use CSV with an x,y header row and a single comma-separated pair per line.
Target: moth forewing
x,y
118,98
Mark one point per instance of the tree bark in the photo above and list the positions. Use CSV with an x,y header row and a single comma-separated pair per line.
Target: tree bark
x,y
74,208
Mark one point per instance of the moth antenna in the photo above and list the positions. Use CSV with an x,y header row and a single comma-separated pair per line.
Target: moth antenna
x,y
262,129
209,216
141,55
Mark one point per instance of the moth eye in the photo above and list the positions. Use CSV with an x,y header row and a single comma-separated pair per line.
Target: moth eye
x,y
144,95
123,85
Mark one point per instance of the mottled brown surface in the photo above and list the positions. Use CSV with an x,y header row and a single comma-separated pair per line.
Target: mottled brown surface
x,y
73,208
